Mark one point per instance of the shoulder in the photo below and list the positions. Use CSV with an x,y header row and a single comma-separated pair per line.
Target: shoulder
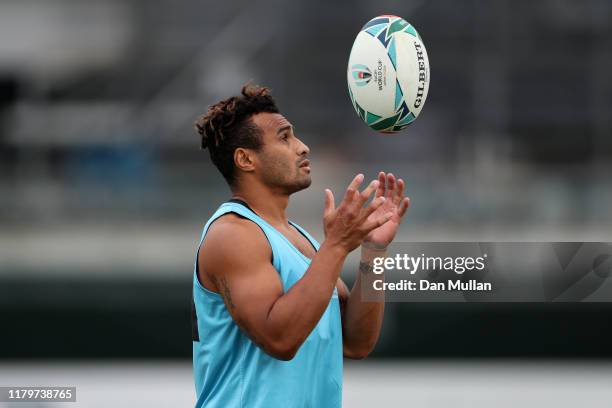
x,y
232,234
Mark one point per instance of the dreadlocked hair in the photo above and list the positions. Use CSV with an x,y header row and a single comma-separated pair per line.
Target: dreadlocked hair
x,y
227,125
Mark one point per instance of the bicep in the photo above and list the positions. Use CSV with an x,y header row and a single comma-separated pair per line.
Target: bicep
x,y
244,275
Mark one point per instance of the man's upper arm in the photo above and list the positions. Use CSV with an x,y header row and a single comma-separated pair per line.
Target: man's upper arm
x,y
236,257
343,295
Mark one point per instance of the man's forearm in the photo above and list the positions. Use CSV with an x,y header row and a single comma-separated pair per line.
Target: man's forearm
x,y
364,309
295,314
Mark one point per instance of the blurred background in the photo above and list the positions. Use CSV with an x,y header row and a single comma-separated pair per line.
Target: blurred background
x,y
104,191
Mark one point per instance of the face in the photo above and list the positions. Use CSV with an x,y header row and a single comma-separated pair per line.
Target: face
x,y
282,162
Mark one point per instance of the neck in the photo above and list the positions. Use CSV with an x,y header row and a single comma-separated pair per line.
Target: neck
x,y
268,205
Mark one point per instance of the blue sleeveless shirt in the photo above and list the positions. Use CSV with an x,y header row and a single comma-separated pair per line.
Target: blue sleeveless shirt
x,y
231,371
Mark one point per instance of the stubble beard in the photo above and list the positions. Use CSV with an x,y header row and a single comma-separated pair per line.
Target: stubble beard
x,y
288,178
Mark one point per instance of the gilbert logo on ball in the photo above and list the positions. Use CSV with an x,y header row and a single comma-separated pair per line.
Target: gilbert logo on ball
x,y
388,74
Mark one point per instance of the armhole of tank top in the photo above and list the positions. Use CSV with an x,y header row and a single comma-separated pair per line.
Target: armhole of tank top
x,y
299,229
197,268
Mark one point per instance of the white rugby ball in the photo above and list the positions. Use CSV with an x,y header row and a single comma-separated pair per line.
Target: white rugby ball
x,y
388,74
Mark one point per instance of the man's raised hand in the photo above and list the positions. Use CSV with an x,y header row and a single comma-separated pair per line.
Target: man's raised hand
x,y
347,225
395,203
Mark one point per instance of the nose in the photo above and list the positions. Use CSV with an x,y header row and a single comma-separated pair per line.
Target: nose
x,y
303,149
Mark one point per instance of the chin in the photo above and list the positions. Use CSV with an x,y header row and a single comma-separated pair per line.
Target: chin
x,y
301,185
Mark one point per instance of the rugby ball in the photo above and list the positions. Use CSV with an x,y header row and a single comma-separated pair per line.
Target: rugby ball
x,y
388,74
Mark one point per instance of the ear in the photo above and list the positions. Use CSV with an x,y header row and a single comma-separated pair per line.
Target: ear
x,y
244,159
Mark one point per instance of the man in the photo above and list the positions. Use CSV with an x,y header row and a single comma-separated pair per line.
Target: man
x,y
272,318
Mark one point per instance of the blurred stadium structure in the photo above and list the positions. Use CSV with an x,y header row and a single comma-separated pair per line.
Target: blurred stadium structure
x,y
103,189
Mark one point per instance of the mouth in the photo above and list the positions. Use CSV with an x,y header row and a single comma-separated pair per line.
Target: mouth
x,y
305,164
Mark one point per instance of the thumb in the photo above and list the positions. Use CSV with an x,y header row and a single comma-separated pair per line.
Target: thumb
x,y
330,204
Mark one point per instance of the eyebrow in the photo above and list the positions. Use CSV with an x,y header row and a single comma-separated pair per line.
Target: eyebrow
x,y
283,129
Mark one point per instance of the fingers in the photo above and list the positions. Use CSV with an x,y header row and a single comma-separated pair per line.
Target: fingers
x,y
330,204
399,193
356,182
390,186
349,196
377,202
385,186
394,188
382,183
373,224
403,207
365,194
